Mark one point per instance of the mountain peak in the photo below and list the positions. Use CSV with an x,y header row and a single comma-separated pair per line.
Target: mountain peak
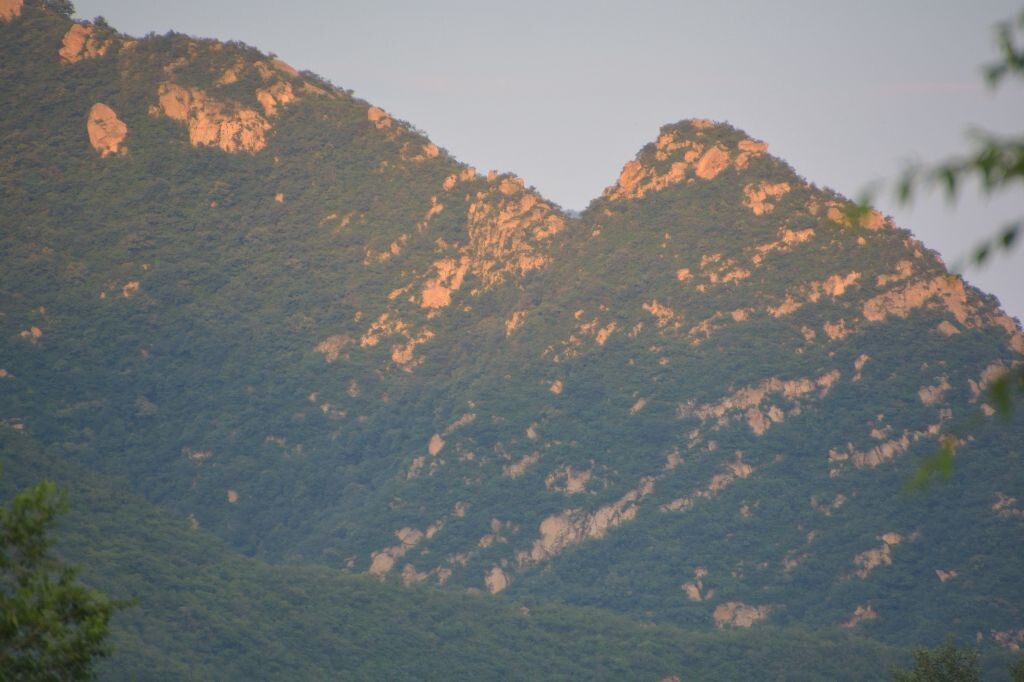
x,y
686,151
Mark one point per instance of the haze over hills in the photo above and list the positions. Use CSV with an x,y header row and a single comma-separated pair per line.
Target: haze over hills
x,y
315,342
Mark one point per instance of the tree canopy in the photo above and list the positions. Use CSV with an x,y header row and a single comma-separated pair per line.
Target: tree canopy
x,y
53,627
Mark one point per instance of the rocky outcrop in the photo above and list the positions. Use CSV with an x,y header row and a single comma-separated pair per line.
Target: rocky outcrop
x,y
519,467
10,9
787,238
694,589
508,228
944,291
733,471
380,118
847,214
82,42
1005,506
884,451
689,155
904,269
332,346
738,615
1011,639
760,198
435,445
212,122
929,395
383,561
106,131
568,480
573,526
275,96
410,337
860,614
870,559
745,404
662,313
515,321
437,291
812,292
508,235
496,580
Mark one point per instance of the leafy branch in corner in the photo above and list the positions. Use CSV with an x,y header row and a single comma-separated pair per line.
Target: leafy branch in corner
x,y
997,164
51,626
1002,393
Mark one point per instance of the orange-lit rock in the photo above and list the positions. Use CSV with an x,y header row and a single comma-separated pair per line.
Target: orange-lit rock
x,y
694,589
738,615
514,322
929,395
904,269
496,580
836,330
573,526
518,468
332,346
437,291
211,122
106,131
285,68
277,95
663,313
752,146
10,9
378,117
80,42
734,470
712,163
508,235
742,404
870,559
860,614
757,197
383,561
943,291
568,480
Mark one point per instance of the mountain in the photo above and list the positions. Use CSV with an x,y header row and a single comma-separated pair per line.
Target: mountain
x,y
205,612
300,331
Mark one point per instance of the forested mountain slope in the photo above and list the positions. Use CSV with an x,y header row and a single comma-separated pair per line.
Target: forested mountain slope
x,y
290,320
204,612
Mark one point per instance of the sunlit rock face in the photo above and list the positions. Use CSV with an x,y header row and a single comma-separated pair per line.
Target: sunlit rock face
x,y
106,131
212,122
82,42
10,9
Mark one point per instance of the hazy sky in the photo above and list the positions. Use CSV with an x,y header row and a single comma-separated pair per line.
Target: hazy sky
x,y
564,93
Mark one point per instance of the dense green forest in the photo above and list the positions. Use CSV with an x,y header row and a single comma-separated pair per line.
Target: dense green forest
x,y
204,611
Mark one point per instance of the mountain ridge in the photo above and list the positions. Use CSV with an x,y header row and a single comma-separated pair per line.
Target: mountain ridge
x,y
311,331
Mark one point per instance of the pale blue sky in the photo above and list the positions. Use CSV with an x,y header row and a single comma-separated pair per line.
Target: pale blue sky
x,y
564,93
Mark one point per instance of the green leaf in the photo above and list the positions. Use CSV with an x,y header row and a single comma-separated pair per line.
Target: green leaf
x,y
938,465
